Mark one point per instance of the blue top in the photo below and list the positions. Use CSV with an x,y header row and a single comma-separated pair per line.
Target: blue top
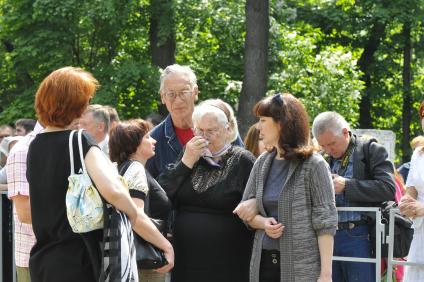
x,y
341,200
272,190
404,170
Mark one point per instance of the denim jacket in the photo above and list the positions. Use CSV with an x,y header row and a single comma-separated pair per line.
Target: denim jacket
x,y
168,147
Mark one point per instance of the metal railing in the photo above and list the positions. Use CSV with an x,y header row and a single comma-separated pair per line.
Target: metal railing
x,y
380,238
379,235
390,241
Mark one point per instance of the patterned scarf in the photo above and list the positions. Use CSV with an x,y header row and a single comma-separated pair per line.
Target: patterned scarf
x,y
205,175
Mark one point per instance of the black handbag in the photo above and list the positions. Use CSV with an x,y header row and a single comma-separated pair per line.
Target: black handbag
x,y
403,232
148,256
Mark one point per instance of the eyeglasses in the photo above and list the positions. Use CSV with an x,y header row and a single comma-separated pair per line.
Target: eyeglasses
x,y
172,95
208,133
278,99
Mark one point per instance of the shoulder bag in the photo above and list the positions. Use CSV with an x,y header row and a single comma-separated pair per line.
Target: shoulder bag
x,y
148,256
403,231
84,206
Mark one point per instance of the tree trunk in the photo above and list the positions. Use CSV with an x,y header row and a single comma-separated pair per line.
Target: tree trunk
x,y
162,36
407,96
366,60
255,61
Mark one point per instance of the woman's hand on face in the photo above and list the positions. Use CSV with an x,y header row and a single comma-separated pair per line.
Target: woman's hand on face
x,y
169,255
272,228
194,150
246,210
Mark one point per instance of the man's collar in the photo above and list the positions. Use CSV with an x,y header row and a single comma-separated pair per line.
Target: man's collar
x,y
104,141
350,146
37,129
169,127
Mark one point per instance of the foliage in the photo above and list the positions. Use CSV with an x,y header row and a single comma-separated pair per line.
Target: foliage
x,y
107,38
210,38
324,78
314,49
350,23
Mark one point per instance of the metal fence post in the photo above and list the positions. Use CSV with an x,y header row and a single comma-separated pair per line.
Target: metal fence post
x,y
391,241
379,230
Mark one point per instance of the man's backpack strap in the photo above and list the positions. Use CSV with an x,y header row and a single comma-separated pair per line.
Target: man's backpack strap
x,y
366,148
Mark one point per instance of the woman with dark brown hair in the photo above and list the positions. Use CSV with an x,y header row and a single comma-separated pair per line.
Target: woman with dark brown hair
x,y
297,217
412,205
130,145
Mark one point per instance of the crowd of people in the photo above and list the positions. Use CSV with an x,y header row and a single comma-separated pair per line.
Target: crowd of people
x,y
260,210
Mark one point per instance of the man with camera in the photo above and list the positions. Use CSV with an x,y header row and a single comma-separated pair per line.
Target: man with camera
x,y
362,177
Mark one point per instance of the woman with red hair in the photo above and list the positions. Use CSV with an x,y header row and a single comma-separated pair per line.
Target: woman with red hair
x,y
60,254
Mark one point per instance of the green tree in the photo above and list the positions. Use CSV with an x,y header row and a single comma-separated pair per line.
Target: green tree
x,y
109,40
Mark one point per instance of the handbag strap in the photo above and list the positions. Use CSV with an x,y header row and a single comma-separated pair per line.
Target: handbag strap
x,y
71,151
84,170
122,169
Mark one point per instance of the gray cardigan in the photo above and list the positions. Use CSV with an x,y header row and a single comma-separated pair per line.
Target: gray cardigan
x,y
307,209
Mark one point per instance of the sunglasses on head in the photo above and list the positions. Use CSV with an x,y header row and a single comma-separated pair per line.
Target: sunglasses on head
x,y
277,98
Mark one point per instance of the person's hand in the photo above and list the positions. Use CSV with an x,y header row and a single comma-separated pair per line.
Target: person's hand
x,y
405,205
194,150
339,183
169,255
272,228
246,210
410,207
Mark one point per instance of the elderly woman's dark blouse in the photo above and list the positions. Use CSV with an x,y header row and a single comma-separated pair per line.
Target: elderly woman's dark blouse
x,y
211,243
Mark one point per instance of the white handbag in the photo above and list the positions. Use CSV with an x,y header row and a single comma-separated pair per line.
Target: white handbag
x,y
84,206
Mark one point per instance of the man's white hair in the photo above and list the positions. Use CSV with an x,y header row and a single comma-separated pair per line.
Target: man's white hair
x,y
185,71
329,121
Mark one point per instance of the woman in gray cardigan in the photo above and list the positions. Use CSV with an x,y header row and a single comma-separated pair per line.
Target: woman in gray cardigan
x,y
291,191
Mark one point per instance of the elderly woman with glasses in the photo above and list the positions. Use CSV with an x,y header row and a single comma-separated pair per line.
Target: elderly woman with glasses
x,y
205,185
293,194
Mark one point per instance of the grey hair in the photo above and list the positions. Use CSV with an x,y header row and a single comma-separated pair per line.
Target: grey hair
x,y
178,69
100,114
228,111
329,121
204,109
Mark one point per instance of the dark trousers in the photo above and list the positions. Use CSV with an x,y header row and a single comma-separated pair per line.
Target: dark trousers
x,y
270,266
